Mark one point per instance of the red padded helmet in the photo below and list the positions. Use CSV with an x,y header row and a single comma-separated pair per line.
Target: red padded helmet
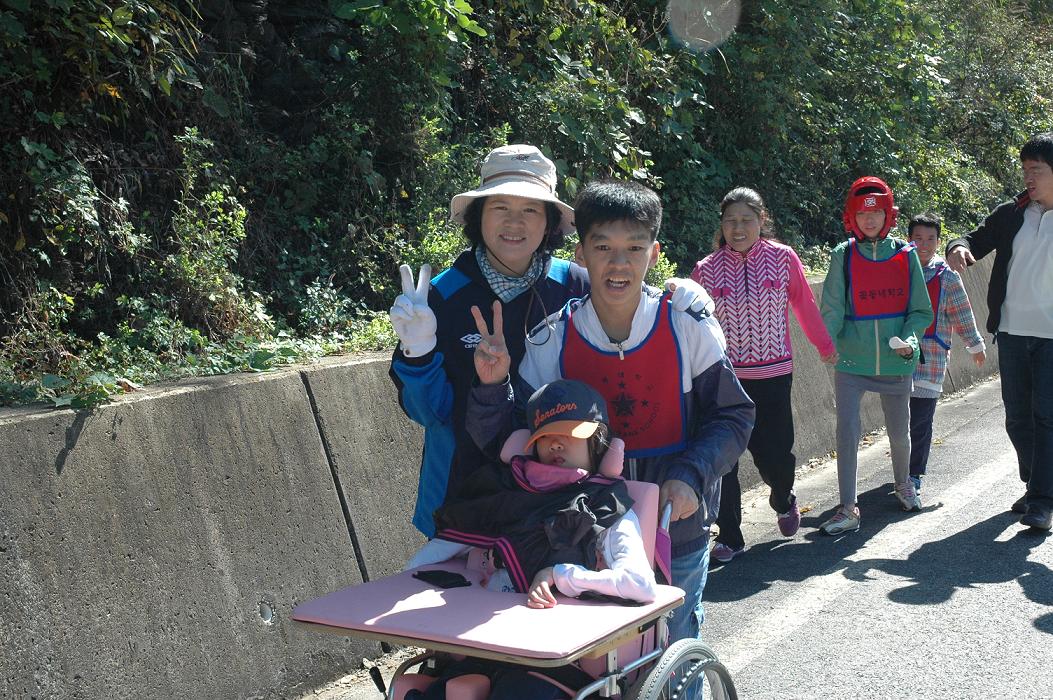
x,y
879,199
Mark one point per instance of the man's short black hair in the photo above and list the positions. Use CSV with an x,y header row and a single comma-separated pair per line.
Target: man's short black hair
x,y
1039,147
473,225
604,201
925,219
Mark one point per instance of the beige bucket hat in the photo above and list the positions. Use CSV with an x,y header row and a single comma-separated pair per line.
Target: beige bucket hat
x,y
519,170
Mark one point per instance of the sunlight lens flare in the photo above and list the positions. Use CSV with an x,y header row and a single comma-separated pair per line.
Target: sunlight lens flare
x,y
703,25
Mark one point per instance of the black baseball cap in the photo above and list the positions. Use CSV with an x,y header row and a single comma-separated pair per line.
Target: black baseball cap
x,y
565,407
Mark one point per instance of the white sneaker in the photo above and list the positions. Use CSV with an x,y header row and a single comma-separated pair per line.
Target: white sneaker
x,y
908,496
842,522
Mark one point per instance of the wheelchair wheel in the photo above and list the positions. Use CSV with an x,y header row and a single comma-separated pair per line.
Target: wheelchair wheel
x,y
688,670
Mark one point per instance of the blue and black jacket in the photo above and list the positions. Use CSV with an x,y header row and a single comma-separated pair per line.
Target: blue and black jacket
x,y
433,389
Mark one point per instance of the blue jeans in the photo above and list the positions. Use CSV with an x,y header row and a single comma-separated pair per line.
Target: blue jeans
x,y
1026,366
689,572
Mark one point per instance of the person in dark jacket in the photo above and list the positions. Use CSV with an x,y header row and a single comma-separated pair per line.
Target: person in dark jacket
x,y
674,397
1020,306
513,221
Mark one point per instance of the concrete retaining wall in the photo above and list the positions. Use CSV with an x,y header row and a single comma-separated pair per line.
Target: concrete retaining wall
x,y
155,547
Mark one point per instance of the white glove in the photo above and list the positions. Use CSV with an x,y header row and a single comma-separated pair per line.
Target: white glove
x,y
413,320
688,294
897,343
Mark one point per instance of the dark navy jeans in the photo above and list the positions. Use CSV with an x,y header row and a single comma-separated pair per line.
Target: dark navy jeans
x,y
1026,366
922,411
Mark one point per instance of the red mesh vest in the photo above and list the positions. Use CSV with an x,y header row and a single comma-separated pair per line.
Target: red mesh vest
x,y
935,287
878,288
643,391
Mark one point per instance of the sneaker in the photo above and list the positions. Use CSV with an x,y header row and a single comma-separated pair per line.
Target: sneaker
x,y
790,521
908,497
842,522
1019,505
1038,517
723,553
916,480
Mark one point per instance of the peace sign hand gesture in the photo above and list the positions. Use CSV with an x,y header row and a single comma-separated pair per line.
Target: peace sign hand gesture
x,y
413,320
492,361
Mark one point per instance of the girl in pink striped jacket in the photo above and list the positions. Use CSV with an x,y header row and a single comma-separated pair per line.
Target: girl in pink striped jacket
x,y
755,281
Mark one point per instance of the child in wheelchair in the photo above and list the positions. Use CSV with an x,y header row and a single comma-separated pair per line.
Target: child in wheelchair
x,y
554,515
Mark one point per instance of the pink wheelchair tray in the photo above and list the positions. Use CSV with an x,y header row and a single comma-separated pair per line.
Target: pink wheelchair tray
x,y
481,623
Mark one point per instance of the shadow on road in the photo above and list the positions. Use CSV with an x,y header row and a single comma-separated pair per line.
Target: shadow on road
x,y
794,560
965,559
933,572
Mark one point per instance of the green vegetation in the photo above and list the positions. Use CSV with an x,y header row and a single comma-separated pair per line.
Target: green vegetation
x,y
197,188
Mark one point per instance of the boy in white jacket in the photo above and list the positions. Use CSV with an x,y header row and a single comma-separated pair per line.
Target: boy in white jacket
x,y
671,389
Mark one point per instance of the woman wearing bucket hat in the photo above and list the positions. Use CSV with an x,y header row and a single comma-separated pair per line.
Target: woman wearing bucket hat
x,y
513,221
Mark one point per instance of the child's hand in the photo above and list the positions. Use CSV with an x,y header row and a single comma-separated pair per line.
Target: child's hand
x,y
900,347
541,595
492,361
979,358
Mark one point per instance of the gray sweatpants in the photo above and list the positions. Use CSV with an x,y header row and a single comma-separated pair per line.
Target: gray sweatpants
x,y
895,403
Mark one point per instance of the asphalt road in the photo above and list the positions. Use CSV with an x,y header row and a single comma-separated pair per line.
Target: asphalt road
x,y
953,602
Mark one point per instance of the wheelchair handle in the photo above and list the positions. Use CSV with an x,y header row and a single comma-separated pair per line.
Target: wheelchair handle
x,y
667,514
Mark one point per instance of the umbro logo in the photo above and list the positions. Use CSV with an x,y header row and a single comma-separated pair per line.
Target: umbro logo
x,y
870,202
471,340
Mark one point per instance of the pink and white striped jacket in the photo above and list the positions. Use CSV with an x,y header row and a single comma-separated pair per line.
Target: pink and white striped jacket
x,y
753,295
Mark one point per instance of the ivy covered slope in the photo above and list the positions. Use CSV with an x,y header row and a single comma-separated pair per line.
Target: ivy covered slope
x,y
194,188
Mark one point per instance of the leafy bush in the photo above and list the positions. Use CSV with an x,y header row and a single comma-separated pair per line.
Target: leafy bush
x,y
211,187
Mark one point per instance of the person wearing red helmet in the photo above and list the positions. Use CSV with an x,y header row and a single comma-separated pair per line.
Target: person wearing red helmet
x,y
876,307
871,197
